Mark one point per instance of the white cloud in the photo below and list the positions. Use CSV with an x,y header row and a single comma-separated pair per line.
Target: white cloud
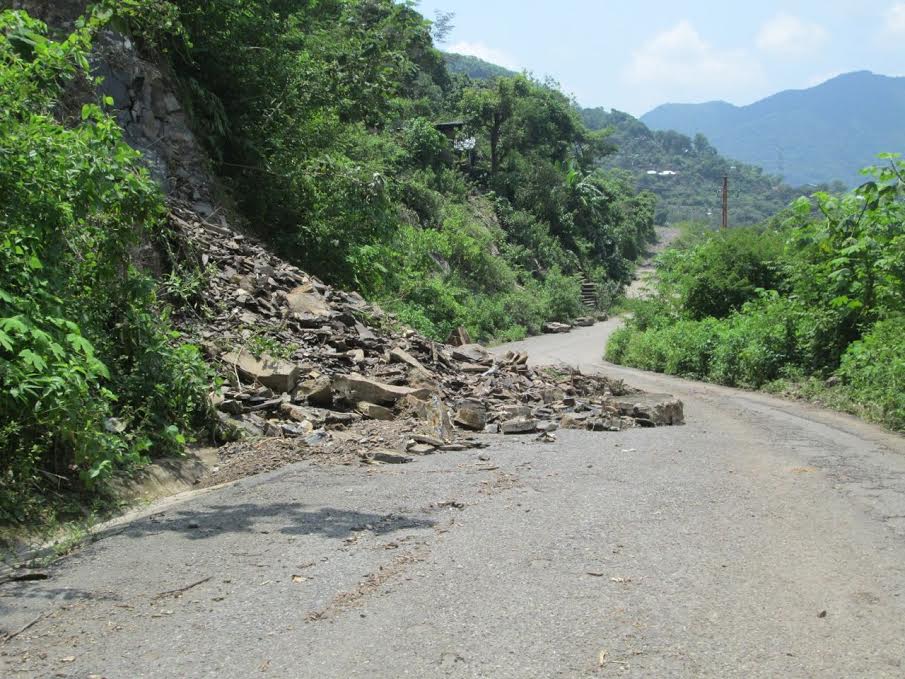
x,y
788,36
482,51
685,65
895,20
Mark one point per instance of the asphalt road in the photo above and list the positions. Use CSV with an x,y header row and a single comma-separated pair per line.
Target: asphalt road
x,y
762,539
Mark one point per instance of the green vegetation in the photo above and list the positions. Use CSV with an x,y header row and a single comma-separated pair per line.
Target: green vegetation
x,y
474,68
694,192
91,376
804,299
323,122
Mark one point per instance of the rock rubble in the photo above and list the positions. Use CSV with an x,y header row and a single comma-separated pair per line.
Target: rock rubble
x,y
304,361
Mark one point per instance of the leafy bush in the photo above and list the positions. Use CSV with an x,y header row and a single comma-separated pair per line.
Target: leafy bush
x,y
724,271
873,370
791,304
90,376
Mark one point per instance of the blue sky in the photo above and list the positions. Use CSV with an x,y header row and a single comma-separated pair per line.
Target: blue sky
x,y
635,55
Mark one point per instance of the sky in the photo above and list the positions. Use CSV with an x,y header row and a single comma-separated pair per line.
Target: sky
x,y
635,55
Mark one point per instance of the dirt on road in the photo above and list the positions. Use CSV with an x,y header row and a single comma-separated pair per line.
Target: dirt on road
x,y
762,539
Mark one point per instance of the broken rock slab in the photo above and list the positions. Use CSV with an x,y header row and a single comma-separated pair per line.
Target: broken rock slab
x,y
306,301
471,415
472,353
554,328
386,457
659,410
399,355
276,374
355,388
519,425
317,391
374,411
458,337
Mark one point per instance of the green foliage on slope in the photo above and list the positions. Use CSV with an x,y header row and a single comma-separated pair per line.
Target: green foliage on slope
x,y
474,68
687,173
91,376
324,123
822,295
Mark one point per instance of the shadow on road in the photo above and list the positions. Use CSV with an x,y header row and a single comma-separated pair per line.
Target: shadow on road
x,y
284,518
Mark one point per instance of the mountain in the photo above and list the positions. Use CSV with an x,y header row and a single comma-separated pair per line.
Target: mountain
x,y
687,174
475,68
807,136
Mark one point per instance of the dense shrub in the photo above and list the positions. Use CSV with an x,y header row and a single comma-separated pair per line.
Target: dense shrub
x,y
725,271
91,378
873,370
749,307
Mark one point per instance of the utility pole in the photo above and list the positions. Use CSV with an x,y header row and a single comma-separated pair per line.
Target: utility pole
x,y
725,224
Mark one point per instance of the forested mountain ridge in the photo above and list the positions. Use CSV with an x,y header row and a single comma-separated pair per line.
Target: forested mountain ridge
x,y
475,68
686,174
821,134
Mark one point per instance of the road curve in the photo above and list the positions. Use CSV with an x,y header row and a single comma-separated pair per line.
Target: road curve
x,y
762,539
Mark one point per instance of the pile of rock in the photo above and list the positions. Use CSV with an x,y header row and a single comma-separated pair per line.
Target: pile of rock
x,y
303,360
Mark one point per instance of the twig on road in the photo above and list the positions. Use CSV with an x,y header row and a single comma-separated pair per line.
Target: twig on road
x,y
181,590
9,636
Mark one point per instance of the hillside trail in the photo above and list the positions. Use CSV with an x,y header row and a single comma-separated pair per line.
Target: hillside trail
x,y
764,538
644,279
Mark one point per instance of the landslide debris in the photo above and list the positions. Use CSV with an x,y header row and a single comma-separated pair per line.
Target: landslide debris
x,y
321,373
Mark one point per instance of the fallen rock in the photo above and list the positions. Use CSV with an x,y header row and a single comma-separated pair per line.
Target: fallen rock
x,y
428,440
421,449
575,420
279,375
387,457
458,337
472,353
401,356
305,300
519,425
553,328
512,412
659,409
317,391
434,414
355,388
300,414
374,411
231,406
471,415
420,382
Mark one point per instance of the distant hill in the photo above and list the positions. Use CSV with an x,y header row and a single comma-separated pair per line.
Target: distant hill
x,y
686,174
806,136
474,67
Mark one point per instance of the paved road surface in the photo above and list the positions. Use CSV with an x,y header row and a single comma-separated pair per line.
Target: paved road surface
x,y
763,539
